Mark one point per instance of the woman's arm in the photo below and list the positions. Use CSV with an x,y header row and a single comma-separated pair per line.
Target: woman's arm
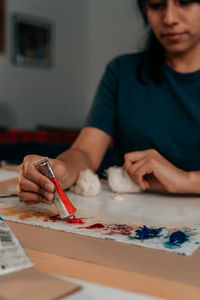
x,y
86,152
150,170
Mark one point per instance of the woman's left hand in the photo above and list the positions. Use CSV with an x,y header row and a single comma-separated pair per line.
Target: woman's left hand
x,y
150,170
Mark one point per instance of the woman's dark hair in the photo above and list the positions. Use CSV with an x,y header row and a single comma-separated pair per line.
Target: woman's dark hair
x,y
153,54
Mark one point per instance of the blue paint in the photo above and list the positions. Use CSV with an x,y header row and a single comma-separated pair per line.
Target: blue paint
x,y
176,239
145,232
1,219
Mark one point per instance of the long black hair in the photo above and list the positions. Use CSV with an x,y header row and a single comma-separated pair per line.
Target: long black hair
x,y
153,54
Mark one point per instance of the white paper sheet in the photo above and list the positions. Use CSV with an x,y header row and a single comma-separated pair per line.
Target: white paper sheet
x,y
93,291
12,255
153,210
5,175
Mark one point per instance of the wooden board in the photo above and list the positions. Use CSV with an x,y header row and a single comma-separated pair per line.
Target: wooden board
x,y
32,284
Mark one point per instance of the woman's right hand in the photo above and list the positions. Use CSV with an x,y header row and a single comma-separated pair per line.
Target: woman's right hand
x,y
33,187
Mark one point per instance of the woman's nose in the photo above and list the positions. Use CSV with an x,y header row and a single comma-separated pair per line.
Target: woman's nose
x,y
170,16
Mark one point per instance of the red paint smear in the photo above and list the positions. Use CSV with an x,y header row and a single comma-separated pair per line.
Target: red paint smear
x,y
54,218
119,229
74,220
95,226
68,205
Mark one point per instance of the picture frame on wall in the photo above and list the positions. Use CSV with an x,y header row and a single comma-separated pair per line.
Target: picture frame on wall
x,y
2,26
32,41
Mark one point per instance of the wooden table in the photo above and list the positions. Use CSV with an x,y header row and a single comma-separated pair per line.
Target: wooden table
x,y
144,276
130,281
147,271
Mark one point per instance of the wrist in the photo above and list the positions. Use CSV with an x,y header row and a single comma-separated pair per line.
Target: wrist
x,y
193,182
71,170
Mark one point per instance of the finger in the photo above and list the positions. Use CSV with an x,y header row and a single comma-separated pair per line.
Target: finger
x,y
153,172
60,170
29,186
35,202
138,155
127,164
31,202
18,181
134,166
154,184
32,174
135,172
124,171
140,175
20,173
18,168
28,197
132,172
47,202
132,157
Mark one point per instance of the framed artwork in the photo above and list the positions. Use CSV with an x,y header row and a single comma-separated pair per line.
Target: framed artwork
x,y
2,26
32,41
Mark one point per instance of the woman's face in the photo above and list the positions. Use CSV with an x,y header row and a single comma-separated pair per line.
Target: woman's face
x,y
175,23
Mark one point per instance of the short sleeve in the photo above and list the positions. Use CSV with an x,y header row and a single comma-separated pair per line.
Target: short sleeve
x,y
103,111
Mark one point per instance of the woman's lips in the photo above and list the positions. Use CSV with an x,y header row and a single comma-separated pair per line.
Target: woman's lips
x,y
172,36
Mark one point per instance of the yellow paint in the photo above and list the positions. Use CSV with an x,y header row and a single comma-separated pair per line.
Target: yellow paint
x,y
15,212
7,209
24,214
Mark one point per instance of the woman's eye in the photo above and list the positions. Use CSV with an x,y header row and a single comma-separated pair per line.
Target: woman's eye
x,y
185,2
156,5
160,5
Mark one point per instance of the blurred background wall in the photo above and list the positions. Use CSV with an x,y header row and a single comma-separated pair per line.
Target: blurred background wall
x,y
87,34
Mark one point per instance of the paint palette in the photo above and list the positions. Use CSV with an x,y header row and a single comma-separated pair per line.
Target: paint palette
x,y
121,219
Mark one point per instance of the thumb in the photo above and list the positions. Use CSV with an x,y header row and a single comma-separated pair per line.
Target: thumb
x,y
60,170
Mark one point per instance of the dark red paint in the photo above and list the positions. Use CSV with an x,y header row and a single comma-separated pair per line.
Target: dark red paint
x,y
72,220
119,229
95,226
55,217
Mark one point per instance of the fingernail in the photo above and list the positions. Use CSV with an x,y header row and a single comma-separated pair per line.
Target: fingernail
x,y
49,196
50,187
47,202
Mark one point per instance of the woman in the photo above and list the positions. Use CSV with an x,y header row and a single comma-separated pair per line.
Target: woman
x,y
149,103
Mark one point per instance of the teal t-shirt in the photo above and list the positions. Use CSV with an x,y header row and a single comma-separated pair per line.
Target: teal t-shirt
x,y
163,116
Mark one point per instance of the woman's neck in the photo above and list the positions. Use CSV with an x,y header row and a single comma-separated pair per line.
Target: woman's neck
x,y
184,62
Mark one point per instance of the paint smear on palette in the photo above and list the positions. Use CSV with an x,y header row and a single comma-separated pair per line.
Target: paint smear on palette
x,y
127,230
47,217
95,226
72,220
180,240
111,229
119,229
176,239
147,233
122,229
12,211
75,220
